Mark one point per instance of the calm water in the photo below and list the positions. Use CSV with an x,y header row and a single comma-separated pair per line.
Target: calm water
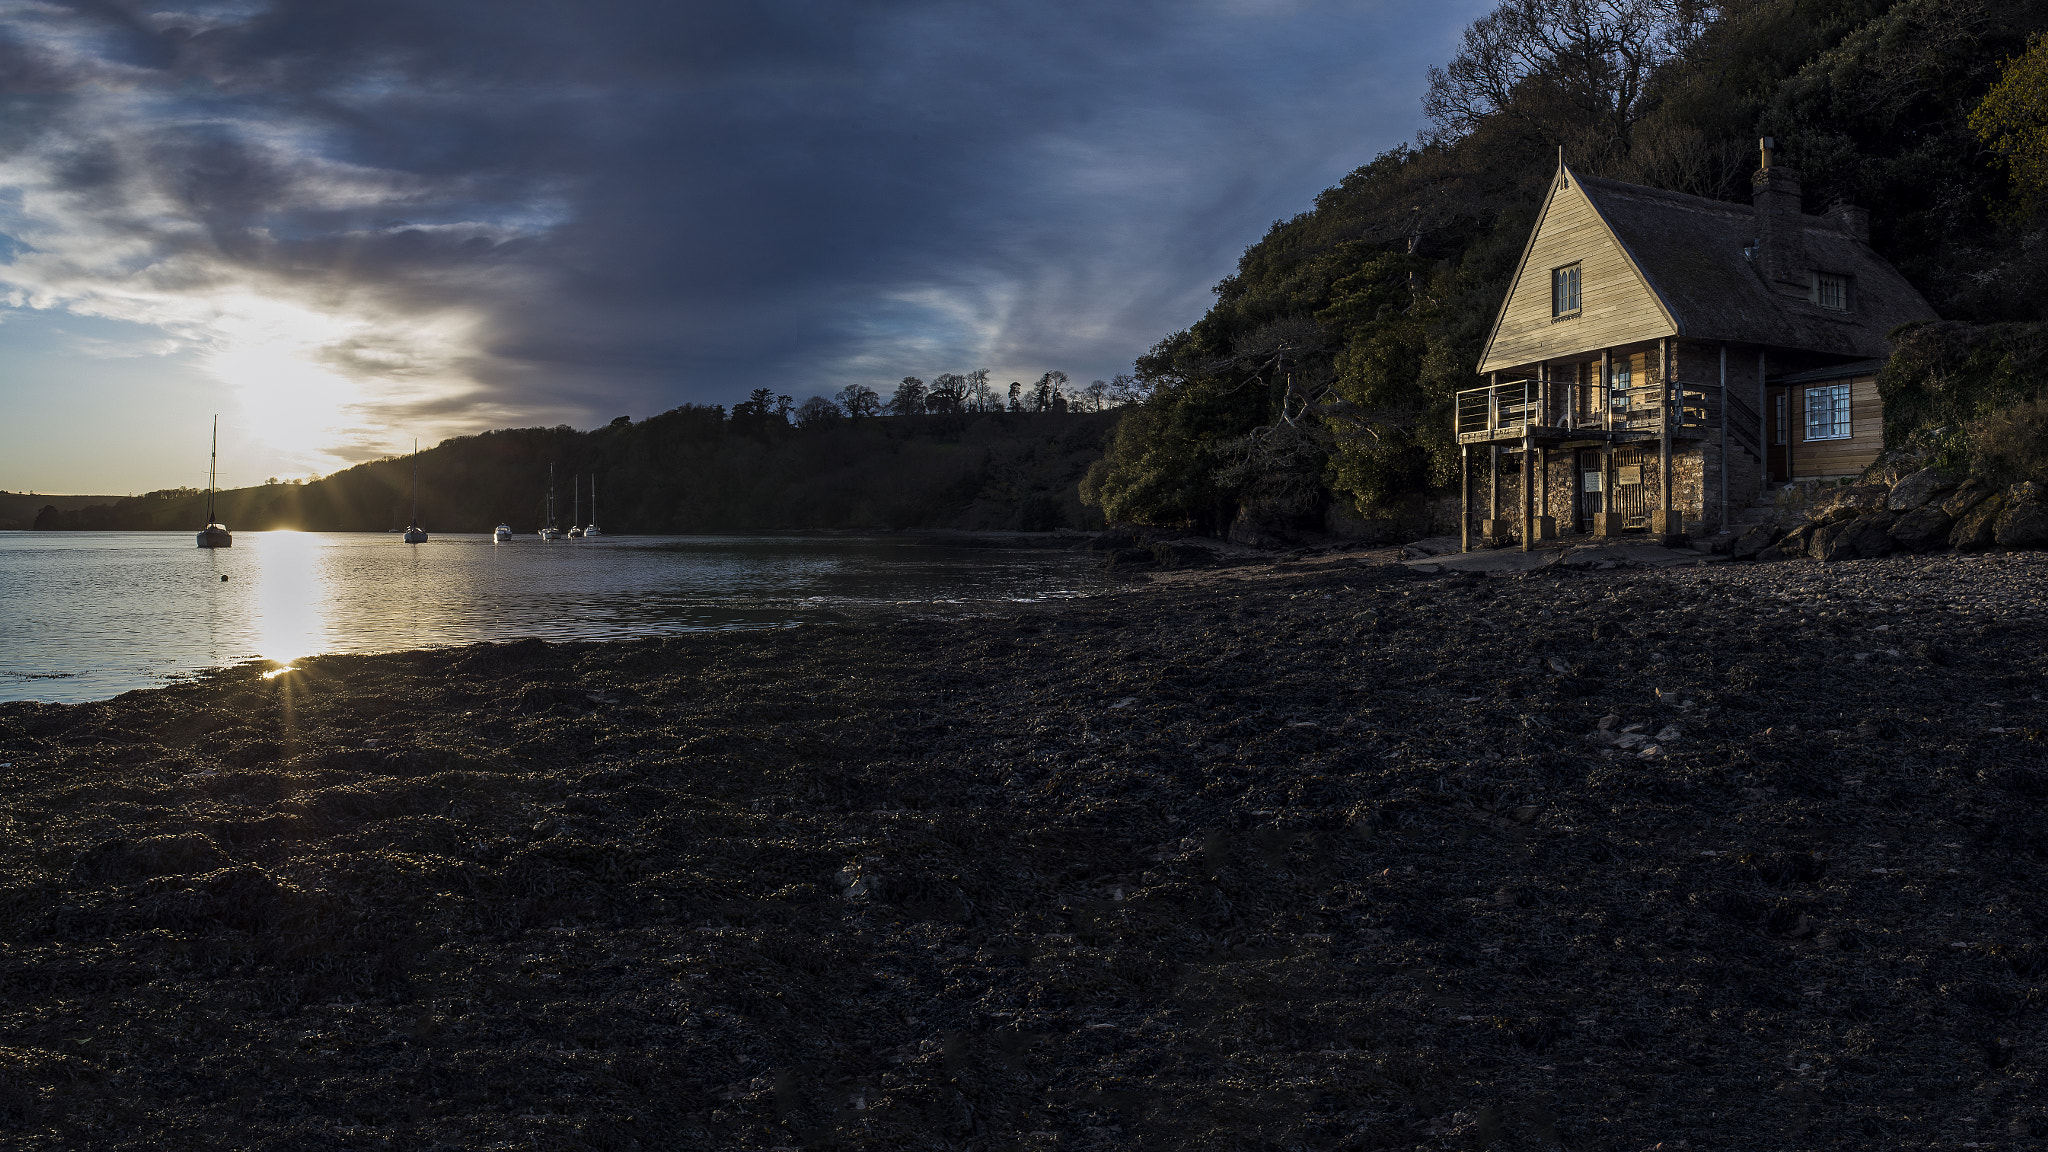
x,y
93,614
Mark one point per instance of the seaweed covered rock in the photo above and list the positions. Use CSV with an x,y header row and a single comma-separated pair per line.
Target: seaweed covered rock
x,y
124,861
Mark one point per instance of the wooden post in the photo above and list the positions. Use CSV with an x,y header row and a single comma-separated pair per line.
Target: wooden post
x,y
1465,498
1764,433
1528,488
1669,392
1725,414
1602,393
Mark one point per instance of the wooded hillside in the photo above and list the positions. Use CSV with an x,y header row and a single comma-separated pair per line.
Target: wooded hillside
x,y
1321,376
692,469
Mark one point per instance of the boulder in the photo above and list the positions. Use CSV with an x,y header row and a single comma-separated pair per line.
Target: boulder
x,y
1977,529
1831,542
1917,490
1748,544
1923,529
1837,505
1869,536
2023,523
1892,466
1863,537
1967,496
1797,540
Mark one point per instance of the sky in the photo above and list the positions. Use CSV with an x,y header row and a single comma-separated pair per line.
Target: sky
x,y
344,225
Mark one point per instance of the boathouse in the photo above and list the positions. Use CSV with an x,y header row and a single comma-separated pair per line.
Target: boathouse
x,y
1662,358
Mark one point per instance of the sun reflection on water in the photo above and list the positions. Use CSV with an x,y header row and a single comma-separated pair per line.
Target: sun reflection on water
x,y
292,597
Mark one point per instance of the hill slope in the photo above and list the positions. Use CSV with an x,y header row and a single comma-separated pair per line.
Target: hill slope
x,y
688,470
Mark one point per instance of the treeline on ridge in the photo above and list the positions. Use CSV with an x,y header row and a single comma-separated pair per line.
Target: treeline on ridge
x,y
696,468
1319,383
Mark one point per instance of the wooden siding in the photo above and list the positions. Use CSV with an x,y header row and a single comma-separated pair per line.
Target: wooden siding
x,y
1836,457
1617,305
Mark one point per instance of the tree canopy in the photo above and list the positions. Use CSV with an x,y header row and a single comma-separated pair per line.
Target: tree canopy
x,y
1322,374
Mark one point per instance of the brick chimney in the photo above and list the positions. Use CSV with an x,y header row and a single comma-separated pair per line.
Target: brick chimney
x,y
1780,226
1853,221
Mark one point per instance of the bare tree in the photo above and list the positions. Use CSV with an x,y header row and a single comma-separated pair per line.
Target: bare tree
x,y
859,401
1125,388
981,397
1573,71
817,412
909,399
949,393
1049,387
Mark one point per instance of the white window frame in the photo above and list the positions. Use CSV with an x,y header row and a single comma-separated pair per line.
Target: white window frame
x,y
1558,280
1827,412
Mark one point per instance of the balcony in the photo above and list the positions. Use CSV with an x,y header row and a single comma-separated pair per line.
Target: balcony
x,y
1552,412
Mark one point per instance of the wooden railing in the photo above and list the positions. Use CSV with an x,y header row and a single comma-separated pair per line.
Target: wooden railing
x,y
1511,408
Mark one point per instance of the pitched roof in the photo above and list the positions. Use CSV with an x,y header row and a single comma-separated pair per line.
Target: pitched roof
x,y
1690,250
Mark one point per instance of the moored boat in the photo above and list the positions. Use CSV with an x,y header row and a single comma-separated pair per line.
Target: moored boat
x,y
414,534
591,529
548,531
215,534
502,533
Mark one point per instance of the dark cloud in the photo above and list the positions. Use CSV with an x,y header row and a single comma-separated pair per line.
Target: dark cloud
x,y
634,204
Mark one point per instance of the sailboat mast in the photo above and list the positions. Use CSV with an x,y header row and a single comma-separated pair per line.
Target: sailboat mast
x,y
415,482
593,497
212,465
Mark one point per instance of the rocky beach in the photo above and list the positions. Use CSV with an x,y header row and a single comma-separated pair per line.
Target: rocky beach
x,y
1317,853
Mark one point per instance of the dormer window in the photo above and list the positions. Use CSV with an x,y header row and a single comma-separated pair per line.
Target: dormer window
x,y
1564,291
1831,291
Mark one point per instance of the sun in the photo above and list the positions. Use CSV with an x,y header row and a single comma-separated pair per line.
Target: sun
x,y
274,355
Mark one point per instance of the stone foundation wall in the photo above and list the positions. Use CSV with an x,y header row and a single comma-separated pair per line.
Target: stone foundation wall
x,y
1695,481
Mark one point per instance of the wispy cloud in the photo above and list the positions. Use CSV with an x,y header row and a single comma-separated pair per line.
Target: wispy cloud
x,y
462,215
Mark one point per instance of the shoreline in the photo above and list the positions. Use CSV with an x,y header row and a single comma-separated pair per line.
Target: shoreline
x,y
1320,851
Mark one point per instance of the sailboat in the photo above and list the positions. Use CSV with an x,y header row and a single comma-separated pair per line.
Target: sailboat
x,y
575,506
502,533
548,531
414,534
591,528
215,534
